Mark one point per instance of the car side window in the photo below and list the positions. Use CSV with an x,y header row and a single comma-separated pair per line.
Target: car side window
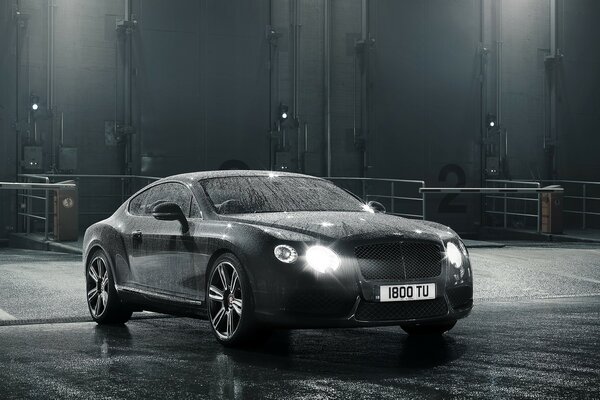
x,y
166,192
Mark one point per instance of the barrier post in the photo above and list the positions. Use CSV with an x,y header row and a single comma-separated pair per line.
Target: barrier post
x,y
392,194
46,201
583,207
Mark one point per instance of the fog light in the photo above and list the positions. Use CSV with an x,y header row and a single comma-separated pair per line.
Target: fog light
x,y
285,253
322,259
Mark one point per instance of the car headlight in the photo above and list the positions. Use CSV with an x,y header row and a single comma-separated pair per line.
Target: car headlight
x,y
454,255
322,259
286,254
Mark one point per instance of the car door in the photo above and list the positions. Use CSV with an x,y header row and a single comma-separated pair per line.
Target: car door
x,y
163,256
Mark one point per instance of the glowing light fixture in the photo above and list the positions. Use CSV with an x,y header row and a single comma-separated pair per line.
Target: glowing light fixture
x,y
34,101
322,259
283,112
454,255
491,121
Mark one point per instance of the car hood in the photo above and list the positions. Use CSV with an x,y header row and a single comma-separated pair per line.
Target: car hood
x,y
347,225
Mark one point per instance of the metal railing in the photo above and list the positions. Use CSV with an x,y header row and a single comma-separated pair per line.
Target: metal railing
x,y
28,189
110,195
519,205
585,196
581,199
391,192
512,200
507,193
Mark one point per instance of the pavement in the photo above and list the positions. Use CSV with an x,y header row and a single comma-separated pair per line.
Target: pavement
x,y
534,333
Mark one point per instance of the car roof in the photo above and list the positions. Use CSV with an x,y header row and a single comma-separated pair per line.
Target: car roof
x,y
196,176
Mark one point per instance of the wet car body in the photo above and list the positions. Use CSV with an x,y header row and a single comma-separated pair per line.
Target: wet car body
x,y
162,265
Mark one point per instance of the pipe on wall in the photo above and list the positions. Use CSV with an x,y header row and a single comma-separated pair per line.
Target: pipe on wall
x,y
50,57
327,83
50,79
18,221
296,29
17,97
295,22
127,89
364,92
499,62
270,63
555,54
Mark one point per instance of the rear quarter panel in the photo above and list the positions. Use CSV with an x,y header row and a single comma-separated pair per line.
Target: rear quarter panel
x,y
107,235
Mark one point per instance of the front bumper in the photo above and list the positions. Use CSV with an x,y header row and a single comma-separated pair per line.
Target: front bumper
x,y
295,296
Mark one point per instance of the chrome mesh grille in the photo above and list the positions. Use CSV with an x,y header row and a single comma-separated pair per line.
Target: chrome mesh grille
x,y
399,260
401,310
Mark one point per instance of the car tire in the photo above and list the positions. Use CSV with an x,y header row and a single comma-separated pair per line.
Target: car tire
x,y
428,329
102,298
230,303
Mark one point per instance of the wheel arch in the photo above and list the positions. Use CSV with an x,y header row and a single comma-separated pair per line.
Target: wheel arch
x,y
236,253
92,249
111,256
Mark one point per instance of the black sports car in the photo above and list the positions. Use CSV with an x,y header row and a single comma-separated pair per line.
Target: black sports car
x,y
257,249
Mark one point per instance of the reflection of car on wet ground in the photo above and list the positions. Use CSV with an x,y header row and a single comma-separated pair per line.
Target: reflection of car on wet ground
x,y
254,249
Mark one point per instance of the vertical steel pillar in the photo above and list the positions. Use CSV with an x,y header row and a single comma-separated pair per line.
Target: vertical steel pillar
x,y
364,117
553,83
127,86
327,65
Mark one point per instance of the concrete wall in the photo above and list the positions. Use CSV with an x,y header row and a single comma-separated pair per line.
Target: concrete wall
x,y
84,63
8,152
424,120
201,88
207,80
579,90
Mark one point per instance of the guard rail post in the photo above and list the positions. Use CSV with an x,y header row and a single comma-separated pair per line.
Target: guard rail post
x,y
583,195
46,213
423,201
392,195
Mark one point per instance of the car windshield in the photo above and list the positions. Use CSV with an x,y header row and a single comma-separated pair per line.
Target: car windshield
x,y
264,194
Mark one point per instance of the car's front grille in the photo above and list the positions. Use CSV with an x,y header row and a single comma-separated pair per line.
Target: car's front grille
x,y
401,310
399,260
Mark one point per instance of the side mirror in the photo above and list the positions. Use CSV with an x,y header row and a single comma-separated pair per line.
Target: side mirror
x,y
170,212
377,206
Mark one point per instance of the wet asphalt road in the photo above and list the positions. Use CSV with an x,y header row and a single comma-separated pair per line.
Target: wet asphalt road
x,y
534,333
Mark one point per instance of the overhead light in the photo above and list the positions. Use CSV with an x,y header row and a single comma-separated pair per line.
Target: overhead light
x,y
34,101
491,121
283,112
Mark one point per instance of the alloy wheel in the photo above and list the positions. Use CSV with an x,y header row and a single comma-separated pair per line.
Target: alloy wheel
x,y
225,300
97,286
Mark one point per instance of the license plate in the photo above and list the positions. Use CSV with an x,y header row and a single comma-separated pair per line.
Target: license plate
x,y
419,291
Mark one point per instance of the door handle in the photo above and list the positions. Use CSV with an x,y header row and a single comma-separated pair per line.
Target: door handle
x,y
136,235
